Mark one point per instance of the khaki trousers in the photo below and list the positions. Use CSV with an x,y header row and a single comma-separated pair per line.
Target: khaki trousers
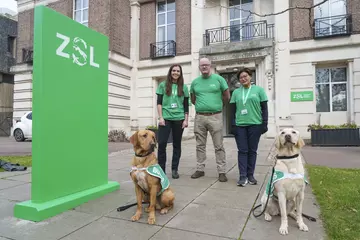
x,y
213,124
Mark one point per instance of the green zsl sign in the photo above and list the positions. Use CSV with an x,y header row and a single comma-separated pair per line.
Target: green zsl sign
x,y
302,96
70,117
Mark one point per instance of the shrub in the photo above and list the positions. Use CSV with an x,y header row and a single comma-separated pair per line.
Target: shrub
x,y
151,127
342,126
117,136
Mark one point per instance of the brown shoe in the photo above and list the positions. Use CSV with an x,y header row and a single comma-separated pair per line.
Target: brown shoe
x,y
222,177
198,174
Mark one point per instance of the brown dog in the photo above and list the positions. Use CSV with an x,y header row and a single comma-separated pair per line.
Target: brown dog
x,y
148,177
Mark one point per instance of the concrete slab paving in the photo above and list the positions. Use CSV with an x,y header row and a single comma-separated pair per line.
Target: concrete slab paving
x,y
4,183
21,178
51,229
176,234
18,193
4,175
114,229
204,208
206,219
161,220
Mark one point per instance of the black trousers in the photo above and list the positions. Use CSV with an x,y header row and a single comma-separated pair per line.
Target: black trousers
x,y
164,132
247,140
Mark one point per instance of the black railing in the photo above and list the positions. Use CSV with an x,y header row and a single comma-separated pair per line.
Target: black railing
x,y
163,49
239,32
333,26
27,55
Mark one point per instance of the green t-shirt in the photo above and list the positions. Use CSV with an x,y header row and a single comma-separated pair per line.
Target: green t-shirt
x,y
208,93
172,106
250,113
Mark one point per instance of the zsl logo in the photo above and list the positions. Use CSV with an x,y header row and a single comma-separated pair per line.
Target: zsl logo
x,y
79,55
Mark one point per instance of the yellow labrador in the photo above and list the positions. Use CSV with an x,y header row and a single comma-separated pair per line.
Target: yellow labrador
x,y
287,190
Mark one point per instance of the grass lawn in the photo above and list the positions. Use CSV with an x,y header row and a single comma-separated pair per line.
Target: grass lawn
x,y
22,160
338,193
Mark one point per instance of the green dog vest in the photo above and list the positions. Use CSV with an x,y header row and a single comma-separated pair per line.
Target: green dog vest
x,y
156,171
278,175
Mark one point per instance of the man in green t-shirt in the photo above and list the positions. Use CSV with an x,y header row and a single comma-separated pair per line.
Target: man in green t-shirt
x,y
208,93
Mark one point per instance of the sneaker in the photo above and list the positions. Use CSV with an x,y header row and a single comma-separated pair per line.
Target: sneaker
x,y
175,174
252,180
222,177
198,174
242,181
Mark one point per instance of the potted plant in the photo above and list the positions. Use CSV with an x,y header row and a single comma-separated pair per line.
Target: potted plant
x,y
331,135
156,131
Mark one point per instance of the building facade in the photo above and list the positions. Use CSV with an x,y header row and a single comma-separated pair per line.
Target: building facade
x,y
8,32
305,59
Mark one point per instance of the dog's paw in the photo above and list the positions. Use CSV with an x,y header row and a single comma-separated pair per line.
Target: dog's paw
x,y
151,220
164,211
283,230
303,227
136,217
268,217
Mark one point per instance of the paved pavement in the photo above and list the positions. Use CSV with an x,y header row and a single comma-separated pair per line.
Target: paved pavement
x,y
9,147
204,209
337,157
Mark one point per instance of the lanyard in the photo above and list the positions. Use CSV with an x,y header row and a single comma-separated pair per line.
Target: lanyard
x,y
244,98
174,91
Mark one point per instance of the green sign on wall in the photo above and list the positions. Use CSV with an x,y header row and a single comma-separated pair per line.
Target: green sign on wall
x,y
70,117
302,96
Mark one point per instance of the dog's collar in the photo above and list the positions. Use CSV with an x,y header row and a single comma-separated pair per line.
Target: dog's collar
x,y
287,157
147,154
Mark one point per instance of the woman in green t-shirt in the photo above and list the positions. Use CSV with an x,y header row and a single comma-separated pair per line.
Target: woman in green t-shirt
x,y
251,119
173,109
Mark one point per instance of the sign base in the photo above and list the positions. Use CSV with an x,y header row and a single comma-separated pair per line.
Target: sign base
x,y
37,212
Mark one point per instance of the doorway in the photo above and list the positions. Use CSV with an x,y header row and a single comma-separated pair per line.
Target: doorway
x,y
229,109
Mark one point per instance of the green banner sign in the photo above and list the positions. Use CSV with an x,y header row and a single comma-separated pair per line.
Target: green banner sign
x,y
302,96
70,117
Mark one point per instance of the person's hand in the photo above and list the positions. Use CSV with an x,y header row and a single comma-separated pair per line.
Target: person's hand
x,y
185,124
264,128
161,121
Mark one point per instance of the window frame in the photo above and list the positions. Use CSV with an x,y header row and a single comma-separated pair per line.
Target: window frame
x,y
251,19
166,21
330,84
81,10
329,15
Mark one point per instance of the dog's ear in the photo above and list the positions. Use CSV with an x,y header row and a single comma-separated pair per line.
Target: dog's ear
x,y
300,143
134,138
277,142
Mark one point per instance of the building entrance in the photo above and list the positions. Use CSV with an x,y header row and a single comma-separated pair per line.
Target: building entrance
x,y
229,109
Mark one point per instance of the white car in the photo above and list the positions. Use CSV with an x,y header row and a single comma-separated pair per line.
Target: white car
x,y
23,127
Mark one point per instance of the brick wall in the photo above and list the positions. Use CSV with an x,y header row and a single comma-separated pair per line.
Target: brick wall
x,y
183,27
354,9
302,29
120,27
8,27
26,25
99,16
147,28
300,26
25,32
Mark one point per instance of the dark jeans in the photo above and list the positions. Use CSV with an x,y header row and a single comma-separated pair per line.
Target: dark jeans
x,y
164,132
247,141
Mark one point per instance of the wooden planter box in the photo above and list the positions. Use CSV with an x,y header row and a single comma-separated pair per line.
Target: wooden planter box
x,y
335,137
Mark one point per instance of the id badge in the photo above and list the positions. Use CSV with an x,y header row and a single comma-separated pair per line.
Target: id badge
x,y
244,112
173,105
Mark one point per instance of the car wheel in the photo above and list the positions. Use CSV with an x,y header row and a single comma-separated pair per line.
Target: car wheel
x,y
19,135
